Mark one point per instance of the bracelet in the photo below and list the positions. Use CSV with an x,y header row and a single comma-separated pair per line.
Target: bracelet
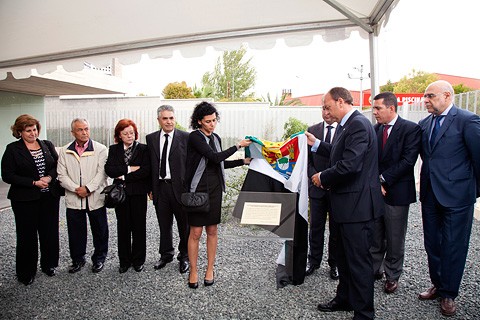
x,y
34,183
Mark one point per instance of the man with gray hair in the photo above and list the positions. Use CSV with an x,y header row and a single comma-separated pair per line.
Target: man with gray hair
x,y
81,172
168,151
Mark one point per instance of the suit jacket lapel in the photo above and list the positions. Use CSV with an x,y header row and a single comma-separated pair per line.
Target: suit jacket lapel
x,y
174,144
446,123
23,150
320,130
392,136
156,144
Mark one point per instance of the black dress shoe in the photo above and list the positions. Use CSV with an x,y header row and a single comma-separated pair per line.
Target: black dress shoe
x,y
378,275
138,268
27,281
123,269
76,266
162,263
49,271
333,273
97,267
193,285
333,306
311,269
183,266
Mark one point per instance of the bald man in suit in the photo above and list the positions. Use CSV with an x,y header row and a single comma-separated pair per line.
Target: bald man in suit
x,y
449,186
320,203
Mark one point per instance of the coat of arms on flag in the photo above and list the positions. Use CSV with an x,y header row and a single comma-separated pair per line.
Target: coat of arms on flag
x,y
282,156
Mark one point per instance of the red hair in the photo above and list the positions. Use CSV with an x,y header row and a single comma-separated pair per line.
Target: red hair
x,y
121,125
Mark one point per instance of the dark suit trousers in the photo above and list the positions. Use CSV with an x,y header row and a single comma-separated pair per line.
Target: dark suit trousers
x,y
388,248
77,233
319,208
36,220
167,208
132,230
354,263
446,238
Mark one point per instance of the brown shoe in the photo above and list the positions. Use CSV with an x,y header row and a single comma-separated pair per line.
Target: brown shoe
x,y
391,286
430,294
447,306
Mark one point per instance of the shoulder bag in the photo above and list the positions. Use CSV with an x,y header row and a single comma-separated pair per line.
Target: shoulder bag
x,y
196,202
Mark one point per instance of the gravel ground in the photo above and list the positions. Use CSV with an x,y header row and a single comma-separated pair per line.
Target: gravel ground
x,y
244,282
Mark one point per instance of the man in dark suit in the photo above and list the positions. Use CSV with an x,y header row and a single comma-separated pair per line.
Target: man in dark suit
x,y
356,201
449,186
398,145
168,151
320,202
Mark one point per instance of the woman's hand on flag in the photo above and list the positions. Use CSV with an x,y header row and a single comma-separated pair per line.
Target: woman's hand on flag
x,y
244,142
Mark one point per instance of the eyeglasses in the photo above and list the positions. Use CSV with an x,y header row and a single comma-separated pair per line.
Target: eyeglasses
x,y
431,95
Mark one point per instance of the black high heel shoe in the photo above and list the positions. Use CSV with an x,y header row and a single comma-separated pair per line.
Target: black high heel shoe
x,y
208,283
192,285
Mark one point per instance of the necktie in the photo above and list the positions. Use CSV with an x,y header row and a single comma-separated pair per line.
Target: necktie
x,y
385,135
338,131
328,136
163,161
435,130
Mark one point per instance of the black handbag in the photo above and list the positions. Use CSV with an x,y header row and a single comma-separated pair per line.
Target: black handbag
x,y
114,194
196,202
56,189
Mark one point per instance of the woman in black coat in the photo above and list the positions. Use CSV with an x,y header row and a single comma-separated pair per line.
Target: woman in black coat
x,y
29,165
204,173
128,162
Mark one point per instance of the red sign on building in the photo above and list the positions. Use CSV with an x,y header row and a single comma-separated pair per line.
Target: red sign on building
x,y
401,98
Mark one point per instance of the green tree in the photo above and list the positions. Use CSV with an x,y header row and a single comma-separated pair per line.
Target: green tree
x,y
293,125
283,101
415,82
390,86
461,88
177,90
232,77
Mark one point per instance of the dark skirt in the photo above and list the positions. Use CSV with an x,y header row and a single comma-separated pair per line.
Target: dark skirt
x,y
212,175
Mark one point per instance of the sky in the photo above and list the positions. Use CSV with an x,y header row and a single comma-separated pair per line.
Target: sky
x,y
438,36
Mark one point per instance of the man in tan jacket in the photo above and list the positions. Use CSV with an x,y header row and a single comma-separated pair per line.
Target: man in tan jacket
x,y
81,172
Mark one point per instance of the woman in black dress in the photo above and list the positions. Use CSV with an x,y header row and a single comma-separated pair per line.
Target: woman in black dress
x,y
129,162
29,165
204,173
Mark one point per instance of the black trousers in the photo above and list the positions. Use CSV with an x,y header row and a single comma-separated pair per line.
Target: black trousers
x,y
319,209
356,282
167,208
77,233
132,230
36,220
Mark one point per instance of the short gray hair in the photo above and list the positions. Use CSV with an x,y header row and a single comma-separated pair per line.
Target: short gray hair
x,y
164,107
79,120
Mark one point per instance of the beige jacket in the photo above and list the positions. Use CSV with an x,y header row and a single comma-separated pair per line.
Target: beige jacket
x,y
88,170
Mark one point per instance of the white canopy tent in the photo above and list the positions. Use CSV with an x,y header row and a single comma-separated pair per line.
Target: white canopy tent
x,y
42,34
